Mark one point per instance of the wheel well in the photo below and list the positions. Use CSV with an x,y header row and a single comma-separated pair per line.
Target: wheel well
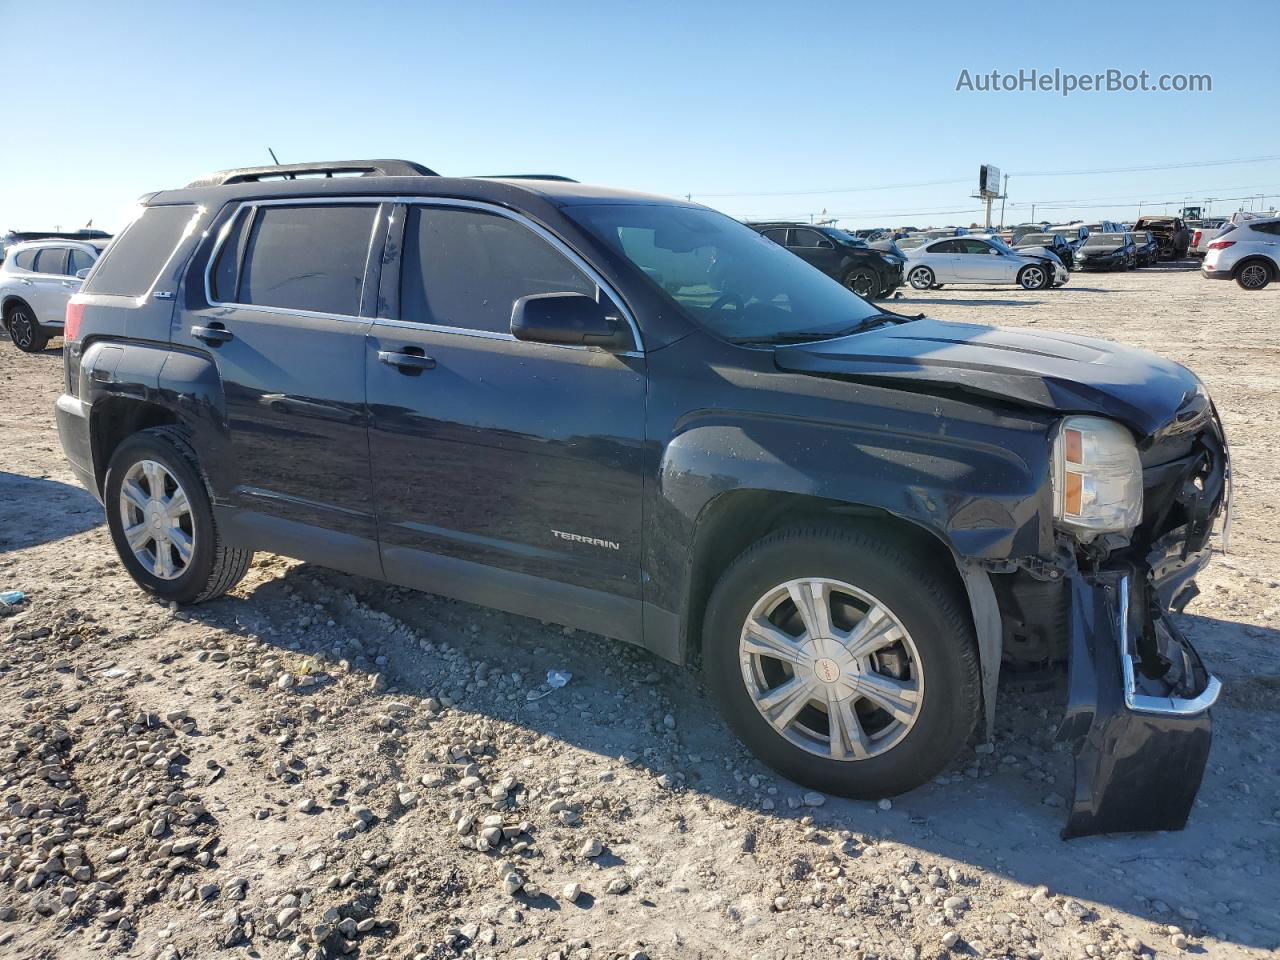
x,y
733,521
10,303
114,419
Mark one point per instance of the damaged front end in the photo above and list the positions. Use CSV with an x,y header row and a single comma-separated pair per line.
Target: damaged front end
x,y
1139,695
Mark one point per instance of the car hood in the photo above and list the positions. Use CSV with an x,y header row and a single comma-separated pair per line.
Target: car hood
x,y
1050,371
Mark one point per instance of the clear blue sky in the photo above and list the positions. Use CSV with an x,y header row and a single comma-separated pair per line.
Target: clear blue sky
x,y
106,101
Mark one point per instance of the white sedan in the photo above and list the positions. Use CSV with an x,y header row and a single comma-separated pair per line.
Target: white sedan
x,y
985,260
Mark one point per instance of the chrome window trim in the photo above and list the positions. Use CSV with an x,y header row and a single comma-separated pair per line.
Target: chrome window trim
x,y
567,251
251,205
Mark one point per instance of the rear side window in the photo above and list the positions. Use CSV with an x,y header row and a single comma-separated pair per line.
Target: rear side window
x,y
25,260
466,268
303,258
133,262
1272,228
51,260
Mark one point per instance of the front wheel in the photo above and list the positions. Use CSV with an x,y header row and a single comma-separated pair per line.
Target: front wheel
x,y
863,281
920,278
843,661
1033,277
26,333
161,519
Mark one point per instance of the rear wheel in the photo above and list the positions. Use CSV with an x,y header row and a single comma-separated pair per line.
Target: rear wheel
x,y
26,333
842,661
920,278
1253,276
161,519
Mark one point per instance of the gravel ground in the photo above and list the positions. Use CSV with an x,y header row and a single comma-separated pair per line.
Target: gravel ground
x,y
319,765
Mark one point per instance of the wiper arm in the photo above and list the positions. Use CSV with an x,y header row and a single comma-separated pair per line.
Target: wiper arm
x,y
805,336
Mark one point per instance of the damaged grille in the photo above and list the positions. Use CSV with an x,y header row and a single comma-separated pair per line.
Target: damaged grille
x,y
1184,480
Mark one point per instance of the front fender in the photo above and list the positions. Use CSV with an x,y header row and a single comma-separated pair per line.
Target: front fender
x,y
987,500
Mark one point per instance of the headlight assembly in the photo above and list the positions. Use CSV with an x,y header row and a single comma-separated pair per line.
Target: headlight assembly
x,y
1097,477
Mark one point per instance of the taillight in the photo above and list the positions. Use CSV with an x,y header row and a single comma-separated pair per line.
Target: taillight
x,y
1221,244
1196,241
71,326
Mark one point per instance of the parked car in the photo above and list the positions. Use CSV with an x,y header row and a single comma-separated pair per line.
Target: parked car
x,y
1202,233
849,516
14,237
980,260
1247,252
1054,243
1105,226
36,281
1107,251
1171,234
868,273
1146,250
1076,233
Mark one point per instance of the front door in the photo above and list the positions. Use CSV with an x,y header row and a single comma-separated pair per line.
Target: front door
x,y
286,329
978,261
506,473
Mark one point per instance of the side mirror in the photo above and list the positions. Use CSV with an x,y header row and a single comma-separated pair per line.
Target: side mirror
x,y
83,272
566,318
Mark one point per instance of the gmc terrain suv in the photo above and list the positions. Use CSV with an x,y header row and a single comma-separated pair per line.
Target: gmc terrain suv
x,y
639,417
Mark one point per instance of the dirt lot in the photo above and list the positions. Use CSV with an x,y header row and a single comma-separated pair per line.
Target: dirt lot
x,y
308,766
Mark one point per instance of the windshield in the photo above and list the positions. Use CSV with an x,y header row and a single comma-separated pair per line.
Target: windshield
x,y
723,275
916,240
1105,240
848,237
998,244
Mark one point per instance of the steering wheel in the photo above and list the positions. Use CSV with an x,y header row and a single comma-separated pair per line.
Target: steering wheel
x,y
724,300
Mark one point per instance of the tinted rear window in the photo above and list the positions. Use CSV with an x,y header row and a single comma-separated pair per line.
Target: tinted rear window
x,y
132,264
306,258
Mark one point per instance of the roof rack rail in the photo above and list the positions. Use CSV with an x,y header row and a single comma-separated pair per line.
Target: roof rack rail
x,y
291,171
522,176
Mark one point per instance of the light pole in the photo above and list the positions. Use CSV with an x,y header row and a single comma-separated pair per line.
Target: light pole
x,y
1004,195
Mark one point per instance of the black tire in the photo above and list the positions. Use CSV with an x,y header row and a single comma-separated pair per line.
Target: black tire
x,y
921,278
1253,275
24,329
863,281
214,568
931,610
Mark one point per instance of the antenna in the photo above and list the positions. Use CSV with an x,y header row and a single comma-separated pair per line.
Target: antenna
x,y
274,158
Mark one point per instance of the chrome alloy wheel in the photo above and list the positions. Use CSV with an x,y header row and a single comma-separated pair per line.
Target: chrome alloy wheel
x,y
831,669
921,278
1032,278
156,519
22,328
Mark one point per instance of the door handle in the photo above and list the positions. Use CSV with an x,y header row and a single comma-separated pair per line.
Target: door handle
x,y
212,334
407,361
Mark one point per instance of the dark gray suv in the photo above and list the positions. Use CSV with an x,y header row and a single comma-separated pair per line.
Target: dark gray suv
x,y
639,417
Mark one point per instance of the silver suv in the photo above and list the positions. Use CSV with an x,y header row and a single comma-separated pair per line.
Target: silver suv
x,y
36,281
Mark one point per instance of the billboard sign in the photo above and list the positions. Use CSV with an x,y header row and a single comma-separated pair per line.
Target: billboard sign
x,y
988,181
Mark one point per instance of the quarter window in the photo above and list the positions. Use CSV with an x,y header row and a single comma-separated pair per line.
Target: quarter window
x,y
466,268
307,258
52,260
25,260
131,265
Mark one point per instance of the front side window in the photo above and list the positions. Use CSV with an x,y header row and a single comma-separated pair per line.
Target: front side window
x,y
78,260
721,274
466,268
808,239
302,257
52,260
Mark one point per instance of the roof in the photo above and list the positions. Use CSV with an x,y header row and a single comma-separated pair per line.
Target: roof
x,y
390,178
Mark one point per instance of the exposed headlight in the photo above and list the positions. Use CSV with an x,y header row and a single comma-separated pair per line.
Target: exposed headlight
x,y
1097,477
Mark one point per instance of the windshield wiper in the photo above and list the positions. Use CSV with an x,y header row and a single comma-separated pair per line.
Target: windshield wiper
x,y
807,336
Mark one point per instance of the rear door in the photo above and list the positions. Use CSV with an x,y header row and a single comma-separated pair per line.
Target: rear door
x,y
288,307
506,473
50,288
